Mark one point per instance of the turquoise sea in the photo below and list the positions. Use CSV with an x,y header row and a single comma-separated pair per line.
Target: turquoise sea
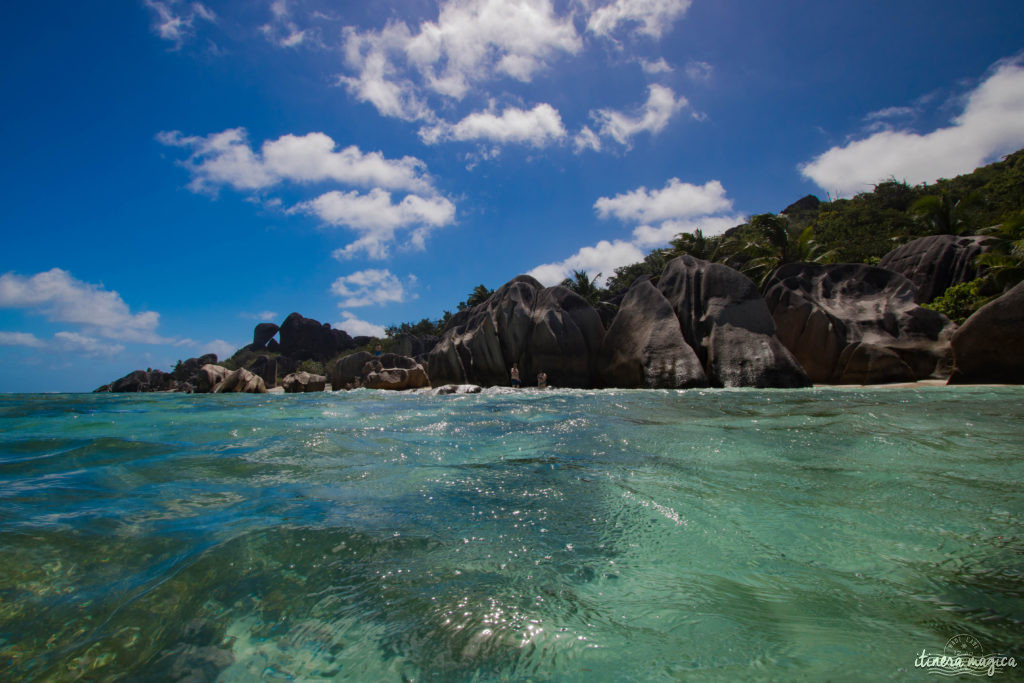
x,y
545,536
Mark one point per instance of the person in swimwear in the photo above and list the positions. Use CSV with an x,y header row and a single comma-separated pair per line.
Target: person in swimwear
x,y
514,374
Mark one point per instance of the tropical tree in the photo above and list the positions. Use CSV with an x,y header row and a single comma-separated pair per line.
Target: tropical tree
x,y
479,295
943,214
1003,265
584,285
773,244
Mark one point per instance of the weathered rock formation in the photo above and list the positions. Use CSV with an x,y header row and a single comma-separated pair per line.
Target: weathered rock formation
x,y
394,372
240,381
263,333
208,377
303,383
936,262
724,319
140,381
644,346
542,329
856,324
989,346
348,369
413,345
305,338
265,367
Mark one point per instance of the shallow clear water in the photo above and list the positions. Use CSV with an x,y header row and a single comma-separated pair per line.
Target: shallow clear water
x,y
616,535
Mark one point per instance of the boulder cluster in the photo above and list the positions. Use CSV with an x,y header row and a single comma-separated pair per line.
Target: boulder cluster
x,y
701,324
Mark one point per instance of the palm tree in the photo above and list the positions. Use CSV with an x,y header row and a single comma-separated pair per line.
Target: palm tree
x,y
582,284
479,295
943,214
1003,265
774,245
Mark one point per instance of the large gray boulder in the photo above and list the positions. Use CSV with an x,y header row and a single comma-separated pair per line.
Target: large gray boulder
x,y
208,377
263,333
856,324
265,367
936,262
550,329
989,346
644,346
303,383
240,381
141,381
394,372
724,319
348,369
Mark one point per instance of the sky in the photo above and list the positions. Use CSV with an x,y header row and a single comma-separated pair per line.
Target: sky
x,y
175,171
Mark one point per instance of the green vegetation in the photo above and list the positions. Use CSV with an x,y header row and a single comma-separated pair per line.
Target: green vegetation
x,y
960,301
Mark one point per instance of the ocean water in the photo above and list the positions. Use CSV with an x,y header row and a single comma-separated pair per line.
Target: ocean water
x,y
561,535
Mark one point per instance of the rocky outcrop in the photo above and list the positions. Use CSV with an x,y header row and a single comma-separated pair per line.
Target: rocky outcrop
x,y
856,324
240,381
449,389
988,347
724,319
141,381
348,369
542,329
414,345
265,367
937,262
305,338
262,334
303,383
208,377
394,372
644,346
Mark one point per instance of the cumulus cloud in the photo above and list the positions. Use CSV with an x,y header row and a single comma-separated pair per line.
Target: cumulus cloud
x,y
63,342
62,298
74,342
371,287
471,41
174,20
657,66
21,339
377,218
676,200
662,104
645,17
678,207
356,327
586,139
539,126
604,257
991,124
226,158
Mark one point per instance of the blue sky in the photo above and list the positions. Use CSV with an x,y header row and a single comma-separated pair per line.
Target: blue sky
x,y
177,171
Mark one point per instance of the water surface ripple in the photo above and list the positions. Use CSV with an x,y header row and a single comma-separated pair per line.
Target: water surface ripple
x,y
561,535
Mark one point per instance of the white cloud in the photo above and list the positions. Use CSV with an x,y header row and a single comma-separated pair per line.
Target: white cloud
x,y
471,41
658,66
655,114
62,298
539,126
991,124
378,219
262,316
87,346
698,71
648,17
21,339
359,328
675,200
173,20
72,342
222,348
282,29
676,208
371,287
649,237
604,257
586,139
226,158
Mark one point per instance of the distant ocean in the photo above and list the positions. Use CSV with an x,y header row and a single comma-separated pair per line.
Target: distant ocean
x,y
560,535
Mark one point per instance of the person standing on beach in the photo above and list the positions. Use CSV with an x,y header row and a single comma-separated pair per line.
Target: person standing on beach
x,y
542,380
514,374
